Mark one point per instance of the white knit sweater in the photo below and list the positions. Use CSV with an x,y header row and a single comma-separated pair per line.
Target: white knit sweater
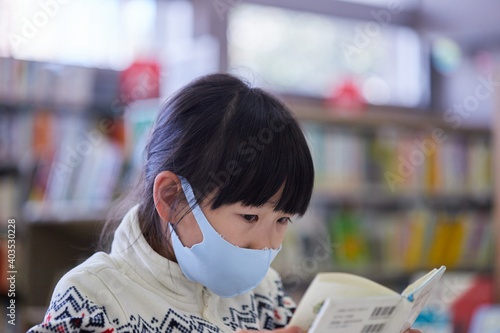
x,y
134,289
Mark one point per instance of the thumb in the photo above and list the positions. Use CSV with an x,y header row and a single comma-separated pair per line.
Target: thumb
x,y
289,329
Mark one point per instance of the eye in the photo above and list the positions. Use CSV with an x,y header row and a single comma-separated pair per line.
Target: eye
x,y
284,220
250,218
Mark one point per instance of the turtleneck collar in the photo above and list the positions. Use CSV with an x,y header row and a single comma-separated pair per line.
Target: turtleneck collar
x,y
165,276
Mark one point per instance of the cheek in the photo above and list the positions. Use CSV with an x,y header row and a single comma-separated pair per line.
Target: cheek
x,y
281,231
225,224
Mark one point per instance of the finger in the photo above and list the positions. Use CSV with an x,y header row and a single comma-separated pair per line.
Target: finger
x,y
289,329
413,331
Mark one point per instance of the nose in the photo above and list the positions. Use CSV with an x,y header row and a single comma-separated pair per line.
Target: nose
x,y
265,237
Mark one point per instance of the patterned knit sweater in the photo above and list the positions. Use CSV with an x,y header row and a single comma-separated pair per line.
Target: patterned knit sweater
x,y
134,289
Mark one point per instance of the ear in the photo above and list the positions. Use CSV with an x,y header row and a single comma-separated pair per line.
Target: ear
x,y
166,188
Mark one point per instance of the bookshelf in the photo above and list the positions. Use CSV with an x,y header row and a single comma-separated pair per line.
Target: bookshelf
x,y
439,213
496,163
57,122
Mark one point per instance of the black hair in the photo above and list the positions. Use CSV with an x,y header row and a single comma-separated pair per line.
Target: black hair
x,y
235,142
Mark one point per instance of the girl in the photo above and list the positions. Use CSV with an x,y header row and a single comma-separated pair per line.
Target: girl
x,y
226,167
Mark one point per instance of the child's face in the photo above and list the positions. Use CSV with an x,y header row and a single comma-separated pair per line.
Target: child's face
x,y
243,226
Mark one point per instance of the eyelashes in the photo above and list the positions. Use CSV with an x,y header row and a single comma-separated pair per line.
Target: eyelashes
x,y
250,218
285,220
255,218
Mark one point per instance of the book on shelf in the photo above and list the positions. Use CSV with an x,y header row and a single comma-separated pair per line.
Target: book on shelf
x,y
9,193
25,82
350,246
347,303
348,158
75,162
410,240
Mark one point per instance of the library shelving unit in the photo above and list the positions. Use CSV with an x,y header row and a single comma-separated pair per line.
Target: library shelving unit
x,y
400,191
496,153
54,130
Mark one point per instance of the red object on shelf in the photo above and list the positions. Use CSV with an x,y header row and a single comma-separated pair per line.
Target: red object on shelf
x,y
141,80
347,99
463,309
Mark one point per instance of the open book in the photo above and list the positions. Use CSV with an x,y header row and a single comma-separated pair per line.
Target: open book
x,y
346,303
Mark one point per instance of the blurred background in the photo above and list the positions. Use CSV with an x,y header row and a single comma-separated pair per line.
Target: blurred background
x,y
397,98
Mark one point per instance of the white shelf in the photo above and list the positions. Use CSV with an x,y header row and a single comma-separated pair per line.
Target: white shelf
x,y
63,212
310,109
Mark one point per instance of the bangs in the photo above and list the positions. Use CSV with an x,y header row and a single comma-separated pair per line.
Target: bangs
x,y
267,151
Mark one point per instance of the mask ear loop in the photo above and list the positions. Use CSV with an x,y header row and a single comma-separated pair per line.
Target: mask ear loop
x,y
195,208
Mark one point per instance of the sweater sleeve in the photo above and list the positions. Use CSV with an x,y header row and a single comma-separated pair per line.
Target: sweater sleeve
x,y
80,303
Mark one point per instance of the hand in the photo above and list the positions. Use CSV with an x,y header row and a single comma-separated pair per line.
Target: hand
x,y
296,329
289,329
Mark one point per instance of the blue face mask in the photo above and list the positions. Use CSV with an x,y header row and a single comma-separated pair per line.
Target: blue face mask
x,y
225,269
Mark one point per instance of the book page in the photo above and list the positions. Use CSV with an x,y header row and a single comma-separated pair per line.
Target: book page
x,y
418,293
354,280
374,315
417,284
337,286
